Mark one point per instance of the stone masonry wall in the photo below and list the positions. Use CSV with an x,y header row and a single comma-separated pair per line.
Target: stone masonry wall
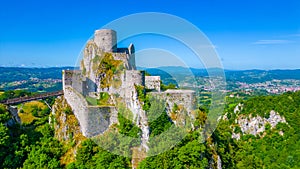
x,y
132,78
152,82
93,120
126,59
186,102
186,98
75,79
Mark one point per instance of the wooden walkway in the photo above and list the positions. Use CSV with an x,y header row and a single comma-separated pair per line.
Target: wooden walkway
x,y
30,98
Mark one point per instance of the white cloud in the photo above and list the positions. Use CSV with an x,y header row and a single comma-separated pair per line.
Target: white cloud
x,y
271,42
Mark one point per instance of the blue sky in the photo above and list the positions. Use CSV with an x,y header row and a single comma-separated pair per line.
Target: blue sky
x,y
258,34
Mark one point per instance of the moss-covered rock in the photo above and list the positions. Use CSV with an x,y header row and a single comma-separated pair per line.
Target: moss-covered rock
x,y
105,66
67,129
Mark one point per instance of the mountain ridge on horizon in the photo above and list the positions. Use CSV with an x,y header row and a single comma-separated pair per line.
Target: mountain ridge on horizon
x,y
160,67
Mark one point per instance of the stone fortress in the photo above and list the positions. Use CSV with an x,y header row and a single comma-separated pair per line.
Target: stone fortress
x,y
109,73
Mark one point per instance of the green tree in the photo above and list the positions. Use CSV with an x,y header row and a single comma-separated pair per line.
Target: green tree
x,y
4,114
4,142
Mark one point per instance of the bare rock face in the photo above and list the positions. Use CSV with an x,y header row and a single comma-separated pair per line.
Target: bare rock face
x,y
67,128
219,163
64,121
215,163
236,136
15,117
256,125
238,108
275,118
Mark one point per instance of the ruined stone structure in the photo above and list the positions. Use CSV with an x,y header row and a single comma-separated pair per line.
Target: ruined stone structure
x,y
118,83
179,97
153,83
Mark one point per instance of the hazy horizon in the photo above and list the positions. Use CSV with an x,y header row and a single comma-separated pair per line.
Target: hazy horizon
x,y
45,67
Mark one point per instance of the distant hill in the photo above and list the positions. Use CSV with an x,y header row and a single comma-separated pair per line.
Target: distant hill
x,y
11,74
31,79
249,76
254,76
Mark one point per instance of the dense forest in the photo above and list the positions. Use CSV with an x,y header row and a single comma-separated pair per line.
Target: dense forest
x,y
32,144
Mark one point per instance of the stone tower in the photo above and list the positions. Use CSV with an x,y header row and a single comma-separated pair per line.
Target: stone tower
x,y
106,40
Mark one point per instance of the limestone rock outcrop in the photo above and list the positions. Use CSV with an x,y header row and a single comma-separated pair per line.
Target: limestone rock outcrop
x,y
254,125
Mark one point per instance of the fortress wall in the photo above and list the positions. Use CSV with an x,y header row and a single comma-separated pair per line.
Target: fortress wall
x,y
75,79
106,40
132,78
186,98
127,59
127,56
67,78
93,120
135,77
152,82
79,106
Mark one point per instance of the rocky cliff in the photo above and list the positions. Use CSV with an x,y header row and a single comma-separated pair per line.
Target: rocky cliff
x,y
67,128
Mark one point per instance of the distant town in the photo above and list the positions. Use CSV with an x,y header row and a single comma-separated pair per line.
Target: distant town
x,y
238,83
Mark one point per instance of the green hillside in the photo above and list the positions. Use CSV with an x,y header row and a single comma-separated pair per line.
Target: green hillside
x,y
34,145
